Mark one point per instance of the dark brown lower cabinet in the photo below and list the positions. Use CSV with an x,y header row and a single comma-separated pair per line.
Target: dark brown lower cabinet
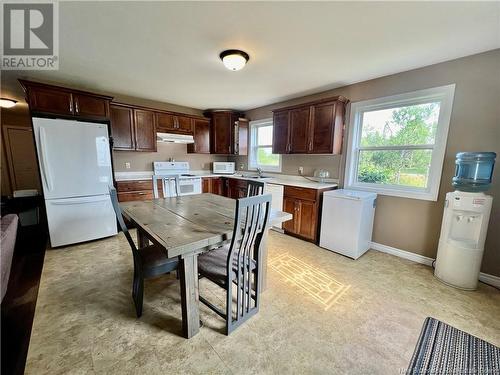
x,y
136,190
236,188
212,185
304,218
305,206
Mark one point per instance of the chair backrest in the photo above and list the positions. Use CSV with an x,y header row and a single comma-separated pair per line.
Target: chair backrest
x,y
252,215
255,188
166,181
119,216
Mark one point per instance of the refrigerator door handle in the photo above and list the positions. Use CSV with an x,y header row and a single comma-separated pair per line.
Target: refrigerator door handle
x,y
44,166
67,202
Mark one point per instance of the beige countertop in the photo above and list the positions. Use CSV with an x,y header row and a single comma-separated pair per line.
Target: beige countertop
x,y
287,180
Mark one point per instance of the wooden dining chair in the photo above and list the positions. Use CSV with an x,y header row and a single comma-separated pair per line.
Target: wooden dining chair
x,y
166,180
236,267
255,188
149,261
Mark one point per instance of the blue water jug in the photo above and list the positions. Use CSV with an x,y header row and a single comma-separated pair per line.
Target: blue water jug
x,y
473,171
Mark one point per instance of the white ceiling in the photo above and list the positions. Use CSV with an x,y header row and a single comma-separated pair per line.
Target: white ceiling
x,y
169,51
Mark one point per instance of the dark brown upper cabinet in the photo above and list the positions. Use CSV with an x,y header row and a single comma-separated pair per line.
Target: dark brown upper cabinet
x,y
241,137
145,130
90,106
165,122
326,128
201,134
184,124
280,132
311,128
228,133
122,127
56,100
221,133
173,123
299,130
133,128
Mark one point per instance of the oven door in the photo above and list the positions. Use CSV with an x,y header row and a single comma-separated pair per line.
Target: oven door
x,y
187,186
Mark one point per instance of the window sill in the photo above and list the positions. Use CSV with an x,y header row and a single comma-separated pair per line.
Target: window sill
x,y
394,192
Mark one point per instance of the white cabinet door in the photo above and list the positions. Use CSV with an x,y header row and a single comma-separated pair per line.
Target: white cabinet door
x,y
74,157
73,220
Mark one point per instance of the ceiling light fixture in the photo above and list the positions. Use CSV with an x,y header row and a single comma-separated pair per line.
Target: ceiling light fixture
x,y
7,103
234,59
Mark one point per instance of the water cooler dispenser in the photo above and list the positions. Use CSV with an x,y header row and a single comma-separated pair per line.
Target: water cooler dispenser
x,y
465,221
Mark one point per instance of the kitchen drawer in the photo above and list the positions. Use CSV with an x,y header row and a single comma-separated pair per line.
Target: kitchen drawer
x,y
138,185
300,193
135,196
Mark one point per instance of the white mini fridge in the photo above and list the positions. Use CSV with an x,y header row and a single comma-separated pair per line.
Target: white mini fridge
x,y
347,221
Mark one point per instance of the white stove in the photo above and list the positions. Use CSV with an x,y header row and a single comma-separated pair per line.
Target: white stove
x,y
164,170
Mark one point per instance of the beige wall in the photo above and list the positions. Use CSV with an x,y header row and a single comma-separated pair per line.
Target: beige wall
x,y
291,163
411,224
142,161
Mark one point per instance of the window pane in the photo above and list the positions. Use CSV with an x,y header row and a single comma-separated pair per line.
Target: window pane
x,y
266,157
411,125
265,135
405,167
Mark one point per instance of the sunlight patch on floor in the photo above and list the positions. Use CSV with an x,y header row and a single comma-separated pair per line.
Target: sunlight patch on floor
x,y
312,280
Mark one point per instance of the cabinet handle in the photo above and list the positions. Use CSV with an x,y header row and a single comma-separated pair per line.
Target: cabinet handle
x,y
77,107
310,145
71,105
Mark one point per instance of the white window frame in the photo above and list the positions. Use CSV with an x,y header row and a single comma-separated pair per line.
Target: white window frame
x,y
442,94
252,154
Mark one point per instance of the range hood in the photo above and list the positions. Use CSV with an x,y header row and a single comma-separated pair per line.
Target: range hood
x,y
174,138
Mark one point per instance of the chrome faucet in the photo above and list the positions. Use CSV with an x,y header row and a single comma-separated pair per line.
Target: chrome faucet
x,y
259,172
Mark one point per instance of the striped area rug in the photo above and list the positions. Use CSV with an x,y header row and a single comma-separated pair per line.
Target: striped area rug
x,y
443,349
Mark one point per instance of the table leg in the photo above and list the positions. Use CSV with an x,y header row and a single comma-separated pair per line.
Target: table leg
x,y
263,253
142,239
188,269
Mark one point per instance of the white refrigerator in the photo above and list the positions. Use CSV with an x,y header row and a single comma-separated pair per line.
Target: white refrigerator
x,y
75,167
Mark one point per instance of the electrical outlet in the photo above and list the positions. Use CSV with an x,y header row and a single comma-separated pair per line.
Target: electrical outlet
x,y
127,165
301,170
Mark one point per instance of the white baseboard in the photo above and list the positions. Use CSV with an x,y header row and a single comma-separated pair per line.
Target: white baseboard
x,y
489,279
484,277
402,254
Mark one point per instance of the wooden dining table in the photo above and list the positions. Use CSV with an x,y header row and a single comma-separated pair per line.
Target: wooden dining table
x,y
184,227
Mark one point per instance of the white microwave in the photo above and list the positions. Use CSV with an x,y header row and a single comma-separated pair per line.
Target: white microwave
x,y
223,167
